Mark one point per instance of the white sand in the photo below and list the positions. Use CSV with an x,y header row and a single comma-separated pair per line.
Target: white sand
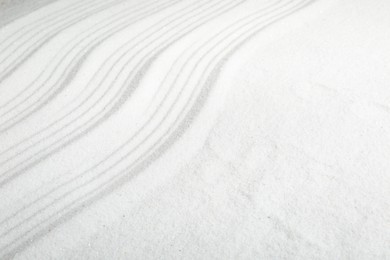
x,y
195,129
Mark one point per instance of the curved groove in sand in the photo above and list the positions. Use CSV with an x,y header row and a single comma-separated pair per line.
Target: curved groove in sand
x,y
58,72
173,105
23,42
55,129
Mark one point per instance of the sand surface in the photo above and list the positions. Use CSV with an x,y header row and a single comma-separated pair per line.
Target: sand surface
x,y
194,129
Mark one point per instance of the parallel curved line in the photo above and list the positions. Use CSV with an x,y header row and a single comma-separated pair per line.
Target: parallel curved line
x,y
27,93
114,63
61,140
239,42
16,13
27,33
3,220
140,42
279,0
33,27
28,46
88,32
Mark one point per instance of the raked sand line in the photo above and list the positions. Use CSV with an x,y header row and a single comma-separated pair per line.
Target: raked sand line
x,y
174,104
11,11
58,71
17,44
136,46
187,17
58,132
85,34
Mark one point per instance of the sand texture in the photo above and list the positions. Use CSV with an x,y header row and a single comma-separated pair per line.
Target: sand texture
x,y
194,129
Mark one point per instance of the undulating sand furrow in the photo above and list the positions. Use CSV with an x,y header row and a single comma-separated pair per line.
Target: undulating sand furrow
x,y
79,118
17,45
176,100
58,72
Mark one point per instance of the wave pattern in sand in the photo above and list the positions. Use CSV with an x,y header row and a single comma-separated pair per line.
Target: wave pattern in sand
x,y
72,68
